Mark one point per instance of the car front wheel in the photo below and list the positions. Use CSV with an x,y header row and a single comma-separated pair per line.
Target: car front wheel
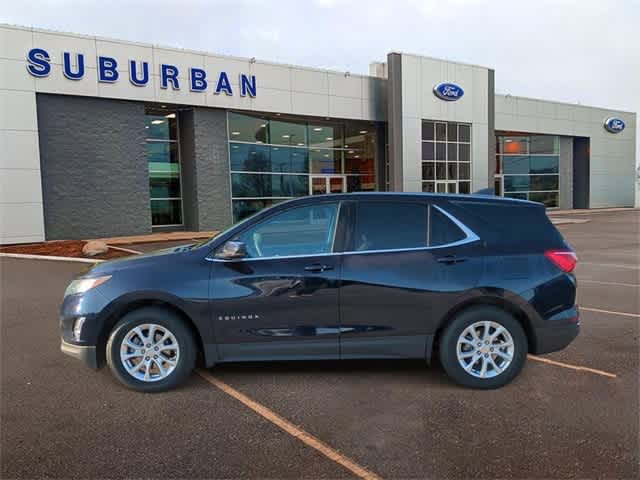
x,y
151,350
483,347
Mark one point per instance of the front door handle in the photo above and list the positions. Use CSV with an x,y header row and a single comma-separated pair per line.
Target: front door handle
x,y
317,267
451,259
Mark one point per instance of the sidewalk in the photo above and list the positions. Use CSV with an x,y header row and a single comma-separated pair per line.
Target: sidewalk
x,y
589,211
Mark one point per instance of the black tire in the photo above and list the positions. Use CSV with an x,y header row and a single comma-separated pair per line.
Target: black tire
x,y
449,340
164,318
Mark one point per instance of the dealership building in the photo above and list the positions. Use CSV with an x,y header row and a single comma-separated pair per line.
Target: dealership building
x,y
102,137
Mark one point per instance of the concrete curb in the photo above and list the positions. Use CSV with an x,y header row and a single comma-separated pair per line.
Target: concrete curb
x,y
591,211
127,250
26,256
564,221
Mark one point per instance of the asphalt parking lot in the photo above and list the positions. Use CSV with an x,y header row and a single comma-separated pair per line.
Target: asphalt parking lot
x,y
396,419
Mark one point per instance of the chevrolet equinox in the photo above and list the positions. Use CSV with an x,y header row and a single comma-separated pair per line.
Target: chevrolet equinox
x,y
476,281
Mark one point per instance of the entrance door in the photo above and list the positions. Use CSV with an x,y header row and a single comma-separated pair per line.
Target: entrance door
x,y
321,184
447,186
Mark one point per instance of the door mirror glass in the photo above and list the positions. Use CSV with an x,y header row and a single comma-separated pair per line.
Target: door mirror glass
x,y
232,250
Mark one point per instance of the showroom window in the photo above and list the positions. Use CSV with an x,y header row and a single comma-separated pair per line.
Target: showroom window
x,y
446,157
274,158
528,167
163,159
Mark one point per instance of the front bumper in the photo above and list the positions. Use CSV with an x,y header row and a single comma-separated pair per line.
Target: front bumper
x,y
86,353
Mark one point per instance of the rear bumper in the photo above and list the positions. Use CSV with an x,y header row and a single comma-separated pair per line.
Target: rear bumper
x,y
555,337
85,353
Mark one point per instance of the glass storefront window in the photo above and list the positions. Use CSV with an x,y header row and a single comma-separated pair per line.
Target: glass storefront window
x,y
361,183
446,157
513,145
325,136
288,133
529,167
544,164
274,158
162,152
258,185
161,126
246,128
166,212
325,161
428,131
246,157
163,160
550,199
428,151
540,144
246,208
515,164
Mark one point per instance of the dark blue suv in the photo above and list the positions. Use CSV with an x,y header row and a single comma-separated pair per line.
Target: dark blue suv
x,y
477,281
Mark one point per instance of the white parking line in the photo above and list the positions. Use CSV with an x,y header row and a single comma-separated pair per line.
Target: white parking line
x,y
610,312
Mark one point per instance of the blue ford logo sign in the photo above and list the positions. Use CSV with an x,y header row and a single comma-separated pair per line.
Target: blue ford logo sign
x,y
448,91
614,125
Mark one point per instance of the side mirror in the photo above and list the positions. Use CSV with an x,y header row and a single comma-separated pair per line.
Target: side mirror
x,y
232,250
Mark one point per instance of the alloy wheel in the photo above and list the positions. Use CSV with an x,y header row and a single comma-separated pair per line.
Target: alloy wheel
x,y
485,349
149,352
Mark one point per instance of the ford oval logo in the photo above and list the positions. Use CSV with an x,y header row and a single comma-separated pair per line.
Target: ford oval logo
x,y
448,91
614,125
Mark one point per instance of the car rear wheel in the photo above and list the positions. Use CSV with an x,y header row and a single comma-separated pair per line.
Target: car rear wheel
x,y
483,347
151,350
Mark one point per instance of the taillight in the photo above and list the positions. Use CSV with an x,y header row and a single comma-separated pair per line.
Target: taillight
x,y
565,260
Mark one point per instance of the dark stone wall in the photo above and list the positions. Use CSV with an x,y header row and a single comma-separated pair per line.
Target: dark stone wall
x,y
205,169
95,179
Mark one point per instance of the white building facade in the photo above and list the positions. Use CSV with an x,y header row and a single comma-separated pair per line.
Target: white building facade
x,y
102,137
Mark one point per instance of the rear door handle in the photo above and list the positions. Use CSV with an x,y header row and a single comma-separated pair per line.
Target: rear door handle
x,y
317,267
451,259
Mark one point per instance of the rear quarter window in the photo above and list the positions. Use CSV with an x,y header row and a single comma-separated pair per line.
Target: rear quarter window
x,y
503,222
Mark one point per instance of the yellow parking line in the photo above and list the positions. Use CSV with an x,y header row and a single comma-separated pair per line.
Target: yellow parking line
x,y
290,428
572,367
597,310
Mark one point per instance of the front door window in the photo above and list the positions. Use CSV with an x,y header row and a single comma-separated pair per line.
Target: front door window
x,y
295,232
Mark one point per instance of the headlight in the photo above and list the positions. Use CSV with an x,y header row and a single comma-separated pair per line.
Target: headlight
x,y
82,285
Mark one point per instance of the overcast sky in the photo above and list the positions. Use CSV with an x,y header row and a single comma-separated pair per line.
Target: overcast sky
x,y
585,51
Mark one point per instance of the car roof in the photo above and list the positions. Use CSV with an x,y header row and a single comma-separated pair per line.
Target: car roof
x,y
423,196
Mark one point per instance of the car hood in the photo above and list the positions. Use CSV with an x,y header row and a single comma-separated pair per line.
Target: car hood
x,y
137,261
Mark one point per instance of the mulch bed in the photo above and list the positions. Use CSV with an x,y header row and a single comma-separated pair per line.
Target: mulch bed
x,y
61,248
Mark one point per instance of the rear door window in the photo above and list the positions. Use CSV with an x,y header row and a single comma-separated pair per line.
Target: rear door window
x,y
390,226
442,230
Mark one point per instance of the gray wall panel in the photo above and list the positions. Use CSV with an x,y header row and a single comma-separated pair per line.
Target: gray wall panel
x,y
211,164
566,172
95,179
491,110
394,116
188,170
